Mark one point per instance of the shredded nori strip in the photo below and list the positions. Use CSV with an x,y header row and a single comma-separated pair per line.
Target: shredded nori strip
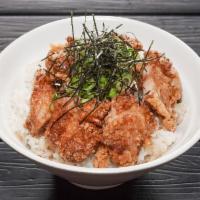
x,y
104,66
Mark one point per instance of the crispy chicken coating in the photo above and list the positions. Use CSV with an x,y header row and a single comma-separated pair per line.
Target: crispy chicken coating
x,y
163,85
41,97
126,128
82,144
75,140
133,42
97,117
58,61
102,157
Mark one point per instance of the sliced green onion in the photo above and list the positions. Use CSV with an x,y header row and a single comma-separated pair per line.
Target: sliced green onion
x,y
112,93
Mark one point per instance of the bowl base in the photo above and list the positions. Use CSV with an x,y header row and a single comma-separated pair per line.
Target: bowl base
x,y
92,187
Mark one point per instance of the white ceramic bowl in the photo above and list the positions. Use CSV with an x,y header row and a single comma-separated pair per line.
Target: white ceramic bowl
x,y
34,45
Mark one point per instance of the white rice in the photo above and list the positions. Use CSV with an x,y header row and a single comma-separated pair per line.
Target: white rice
x,y
161,140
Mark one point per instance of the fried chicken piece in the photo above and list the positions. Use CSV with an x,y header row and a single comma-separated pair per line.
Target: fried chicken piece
x,y
127,127
102,157
57,124
40,101
58,60
97,117
75,140
82,144
162,82
133,41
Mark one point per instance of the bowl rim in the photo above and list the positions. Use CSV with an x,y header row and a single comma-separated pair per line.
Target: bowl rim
x,y
118,170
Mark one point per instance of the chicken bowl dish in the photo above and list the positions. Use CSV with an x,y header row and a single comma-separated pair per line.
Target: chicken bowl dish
x,y
99,100
102,100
